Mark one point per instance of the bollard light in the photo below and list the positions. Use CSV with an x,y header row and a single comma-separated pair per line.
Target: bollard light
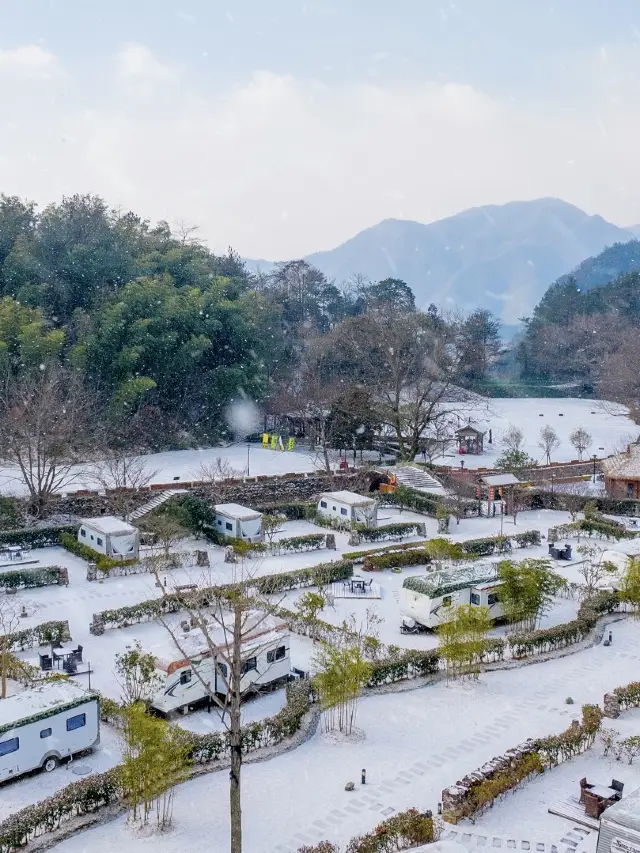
x,y
364,776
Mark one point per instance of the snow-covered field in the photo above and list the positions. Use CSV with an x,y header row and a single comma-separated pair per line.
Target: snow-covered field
x,y
608,424
415,743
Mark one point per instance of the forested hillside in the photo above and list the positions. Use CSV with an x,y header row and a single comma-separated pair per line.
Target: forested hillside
x,y
123,332
585,329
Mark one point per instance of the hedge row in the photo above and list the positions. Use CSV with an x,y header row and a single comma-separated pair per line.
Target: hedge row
x,y
39,635
103,789
470,549
391,531
32,578
629,695
297,544
604,528
540,499
292,511
143,611
38,537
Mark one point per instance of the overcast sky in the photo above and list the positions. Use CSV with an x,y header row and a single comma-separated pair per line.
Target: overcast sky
x,y
281,127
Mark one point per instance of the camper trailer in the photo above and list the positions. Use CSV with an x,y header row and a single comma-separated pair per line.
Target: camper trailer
x,y
349,508
238,522
40,727
620,826
187,681
425,601
110,535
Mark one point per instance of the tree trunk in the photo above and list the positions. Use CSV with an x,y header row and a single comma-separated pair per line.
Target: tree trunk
x,y
3,661
235,735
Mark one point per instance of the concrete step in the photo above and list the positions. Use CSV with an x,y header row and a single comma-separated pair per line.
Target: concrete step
x,y
416,478
154,503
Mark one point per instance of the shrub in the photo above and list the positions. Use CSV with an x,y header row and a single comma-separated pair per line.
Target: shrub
x,y
291,511
628,696
32,578
400,832
39,635
391,531
411,663
40,537
296,544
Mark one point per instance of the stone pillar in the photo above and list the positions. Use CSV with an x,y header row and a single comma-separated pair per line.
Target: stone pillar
x,y
611,705
97,625
202,558
63,576
330,541
92,572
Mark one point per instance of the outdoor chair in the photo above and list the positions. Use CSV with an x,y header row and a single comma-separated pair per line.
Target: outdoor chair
x,y
46,663
77,654
593,806
70,666
618,787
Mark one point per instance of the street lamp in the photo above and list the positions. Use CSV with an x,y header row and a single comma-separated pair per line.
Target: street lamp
x,y
248,450
595,459
553,480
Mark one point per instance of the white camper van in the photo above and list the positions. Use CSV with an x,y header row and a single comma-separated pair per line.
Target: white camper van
x,y
349,508
40,727
426,600
265,662
111,536
238,522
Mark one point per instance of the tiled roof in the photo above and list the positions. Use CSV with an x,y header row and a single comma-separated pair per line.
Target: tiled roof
x,y
623,465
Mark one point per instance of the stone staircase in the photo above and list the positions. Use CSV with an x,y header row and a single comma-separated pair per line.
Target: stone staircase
x,y
159,499
416,478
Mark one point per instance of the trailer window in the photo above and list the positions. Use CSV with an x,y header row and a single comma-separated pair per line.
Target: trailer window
x,y
222,669
323,504
249,664
83,532
45,733
185,677
475,598
492,598
446,601
99,541
76,722
343,511
228,525
8,746
276,654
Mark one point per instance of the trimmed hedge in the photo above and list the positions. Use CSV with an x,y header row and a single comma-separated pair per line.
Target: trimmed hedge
x,y
32,578
629,695
37,537
39,635
292,511
541,499
410,663
297,544
391,531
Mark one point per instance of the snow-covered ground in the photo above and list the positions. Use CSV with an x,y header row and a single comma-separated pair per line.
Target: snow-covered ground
x,y
415,744
608,424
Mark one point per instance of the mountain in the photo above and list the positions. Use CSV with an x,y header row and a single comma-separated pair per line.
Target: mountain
x,y
500,257
614,261
634,230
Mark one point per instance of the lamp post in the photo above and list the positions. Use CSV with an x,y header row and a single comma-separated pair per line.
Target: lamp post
x,y
595,459
553,480
248,450
501,516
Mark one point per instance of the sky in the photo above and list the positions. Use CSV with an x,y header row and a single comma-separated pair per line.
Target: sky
x,y
284,127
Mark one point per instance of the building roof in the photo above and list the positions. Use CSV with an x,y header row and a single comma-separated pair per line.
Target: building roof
x,y
500,480
626,812
471,427
443,583
240,513
349,498
109,525
624,465
16,709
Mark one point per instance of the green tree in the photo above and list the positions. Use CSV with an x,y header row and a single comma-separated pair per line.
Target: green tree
x,y
136,673
390,293
516,462
154,762
480,342
341,674
527,590
630,590
310,604
462,640
26,340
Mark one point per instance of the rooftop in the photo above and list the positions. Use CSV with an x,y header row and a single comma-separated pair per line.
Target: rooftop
x,y
241,513
626,464
349,498
442,583
22,706
471,427
109,524
500,480
626,812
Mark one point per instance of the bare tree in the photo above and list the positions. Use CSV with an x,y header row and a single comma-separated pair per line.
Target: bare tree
x,y
167,532
581,440
9,621
593,568
227,620
123,474
548,442
513,438
573,497
215,477
44,431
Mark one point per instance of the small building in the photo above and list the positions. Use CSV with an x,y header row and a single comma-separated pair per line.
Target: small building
x,y
110,535
238,522
470,439
349,507
620,826
622,473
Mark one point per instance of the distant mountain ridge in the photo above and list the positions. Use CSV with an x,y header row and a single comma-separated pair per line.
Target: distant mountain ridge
x,y
500,257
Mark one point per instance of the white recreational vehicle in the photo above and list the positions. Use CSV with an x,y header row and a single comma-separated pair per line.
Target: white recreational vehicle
x,y
110,535
349,507
265,662
238,522
426,600
40,727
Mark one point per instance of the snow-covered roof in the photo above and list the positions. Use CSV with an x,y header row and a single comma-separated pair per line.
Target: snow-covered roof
x,y
109,525
443,583
41,699
626,812
623,465
348,498
500,480
240,513
471,427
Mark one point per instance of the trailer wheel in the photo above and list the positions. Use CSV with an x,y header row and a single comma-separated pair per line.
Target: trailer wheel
x,y
50,764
